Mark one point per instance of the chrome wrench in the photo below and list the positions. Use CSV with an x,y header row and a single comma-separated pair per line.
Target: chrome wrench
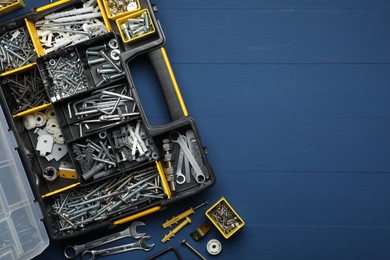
x,y
180,178
71,251
140,244
195,149
176,137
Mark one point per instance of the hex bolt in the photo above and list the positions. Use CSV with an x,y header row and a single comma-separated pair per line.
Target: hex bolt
x,y
185,243
125,29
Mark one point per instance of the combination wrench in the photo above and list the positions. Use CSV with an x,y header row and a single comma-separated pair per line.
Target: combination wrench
x,y
140,244
195,150
180,178
176,137
71,251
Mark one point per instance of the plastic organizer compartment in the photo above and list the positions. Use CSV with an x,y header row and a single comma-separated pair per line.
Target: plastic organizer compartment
x,y
23,52
128,7
12,7
142,28
82,116
63,74
102,210
24,89
185,127
37,162
106,50
50,10
21,232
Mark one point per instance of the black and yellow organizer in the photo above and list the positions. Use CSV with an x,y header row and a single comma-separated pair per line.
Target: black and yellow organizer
x,y
81,131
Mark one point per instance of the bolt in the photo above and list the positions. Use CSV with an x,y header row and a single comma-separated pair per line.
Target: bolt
x,y
113,64
98,48
184,242
103,71
91,53
125,30
96,61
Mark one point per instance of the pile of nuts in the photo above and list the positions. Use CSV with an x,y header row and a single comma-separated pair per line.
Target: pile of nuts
x,y
121,6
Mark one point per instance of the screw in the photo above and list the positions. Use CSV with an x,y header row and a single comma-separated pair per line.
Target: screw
x,y
103,71
91,53
184,242
113,64
96,61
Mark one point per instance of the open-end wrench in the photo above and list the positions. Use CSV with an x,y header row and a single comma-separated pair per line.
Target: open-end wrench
x,y
176,137
71,251
140,244
195,149
187,169
180,178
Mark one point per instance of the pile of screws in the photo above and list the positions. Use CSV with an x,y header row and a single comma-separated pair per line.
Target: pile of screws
x,y
62,29
96,160
108,66
27,90
67,76
5,3
135,27
122,6
16,49
225,217
82,206
133,144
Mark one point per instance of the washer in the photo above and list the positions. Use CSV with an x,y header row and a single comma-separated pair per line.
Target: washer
x,y
214,247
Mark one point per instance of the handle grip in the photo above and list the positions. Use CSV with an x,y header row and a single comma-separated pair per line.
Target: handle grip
x,y
162,67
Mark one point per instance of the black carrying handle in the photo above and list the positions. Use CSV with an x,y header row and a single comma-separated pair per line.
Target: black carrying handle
x,y
162,67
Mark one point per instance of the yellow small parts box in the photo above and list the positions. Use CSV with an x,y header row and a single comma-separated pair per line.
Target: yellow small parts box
x,y
135,26
117,9
10,6
225,218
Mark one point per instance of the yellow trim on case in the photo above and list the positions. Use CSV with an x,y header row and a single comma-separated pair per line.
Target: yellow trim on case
x,y
46,7
181,101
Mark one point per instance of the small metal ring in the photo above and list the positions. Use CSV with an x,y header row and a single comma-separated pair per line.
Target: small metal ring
x,y
102,135
113,44
115,54
50,173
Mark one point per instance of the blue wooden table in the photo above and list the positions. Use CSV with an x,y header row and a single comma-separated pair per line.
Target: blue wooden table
x,y
292,101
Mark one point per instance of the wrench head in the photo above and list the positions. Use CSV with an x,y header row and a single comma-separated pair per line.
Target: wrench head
x,y
144,245
133,229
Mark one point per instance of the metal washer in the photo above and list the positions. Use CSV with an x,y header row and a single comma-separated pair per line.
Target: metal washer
x,y
214,247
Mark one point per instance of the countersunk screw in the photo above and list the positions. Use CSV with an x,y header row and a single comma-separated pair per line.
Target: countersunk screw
x,y
184,242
